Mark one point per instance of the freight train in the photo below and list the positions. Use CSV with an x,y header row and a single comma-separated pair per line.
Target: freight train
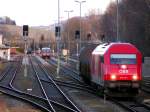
x,y
115,67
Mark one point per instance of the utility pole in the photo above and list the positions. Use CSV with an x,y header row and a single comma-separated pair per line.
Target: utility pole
x,y
80,3
117,20
58,41
68,11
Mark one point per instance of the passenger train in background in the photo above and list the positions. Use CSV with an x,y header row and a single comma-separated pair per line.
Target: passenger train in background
x,y
115,67
45,52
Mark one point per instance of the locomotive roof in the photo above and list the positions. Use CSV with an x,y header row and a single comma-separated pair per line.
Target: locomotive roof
x,y
102,48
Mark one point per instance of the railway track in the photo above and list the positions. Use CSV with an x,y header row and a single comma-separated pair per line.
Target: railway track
x,y
10,71
131,106
72,85
73,74
35,101
27,83
146,85
53,92
71,79
6,87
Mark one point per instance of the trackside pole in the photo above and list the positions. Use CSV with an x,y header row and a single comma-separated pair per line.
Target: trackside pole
x,y
25,58
58,67
104,99
58,51
25,71
57,30
105,96
77,54
25,35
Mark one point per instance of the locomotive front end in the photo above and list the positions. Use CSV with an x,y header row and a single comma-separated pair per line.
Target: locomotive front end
x,y
123,71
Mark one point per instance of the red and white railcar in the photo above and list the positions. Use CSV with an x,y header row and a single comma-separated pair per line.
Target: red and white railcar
x,y
46,52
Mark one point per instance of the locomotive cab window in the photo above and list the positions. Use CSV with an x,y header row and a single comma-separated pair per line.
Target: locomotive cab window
x,y
123,59
46,50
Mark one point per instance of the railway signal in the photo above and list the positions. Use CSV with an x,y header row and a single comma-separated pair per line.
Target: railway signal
x,y
77,34
25,30
77,37
57,31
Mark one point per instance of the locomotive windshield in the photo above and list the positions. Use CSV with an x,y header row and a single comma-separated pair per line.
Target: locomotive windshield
x,y
46,50
123,59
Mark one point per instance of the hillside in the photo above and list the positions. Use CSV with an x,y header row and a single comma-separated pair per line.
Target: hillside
x,y
14,33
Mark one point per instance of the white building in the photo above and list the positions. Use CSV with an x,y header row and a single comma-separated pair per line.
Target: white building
x,y
4,50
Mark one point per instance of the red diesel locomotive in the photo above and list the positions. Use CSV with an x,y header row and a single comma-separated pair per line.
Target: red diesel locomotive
x,y
113,66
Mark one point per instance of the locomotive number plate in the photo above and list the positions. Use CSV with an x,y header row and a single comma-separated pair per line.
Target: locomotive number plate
x,y
123,71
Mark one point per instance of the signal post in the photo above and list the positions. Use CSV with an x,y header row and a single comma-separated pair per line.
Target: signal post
x,y
25,36
57,34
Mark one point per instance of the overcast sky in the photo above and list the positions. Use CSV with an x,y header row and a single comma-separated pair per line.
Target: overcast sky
x,y
44,12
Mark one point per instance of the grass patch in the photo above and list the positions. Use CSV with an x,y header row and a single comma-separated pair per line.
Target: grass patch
x,y
2,65
20,50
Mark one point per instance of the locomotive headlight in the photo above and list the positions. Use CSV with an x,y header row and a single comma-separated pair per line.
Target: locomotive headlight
x,y
113,77
124,66
134,77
